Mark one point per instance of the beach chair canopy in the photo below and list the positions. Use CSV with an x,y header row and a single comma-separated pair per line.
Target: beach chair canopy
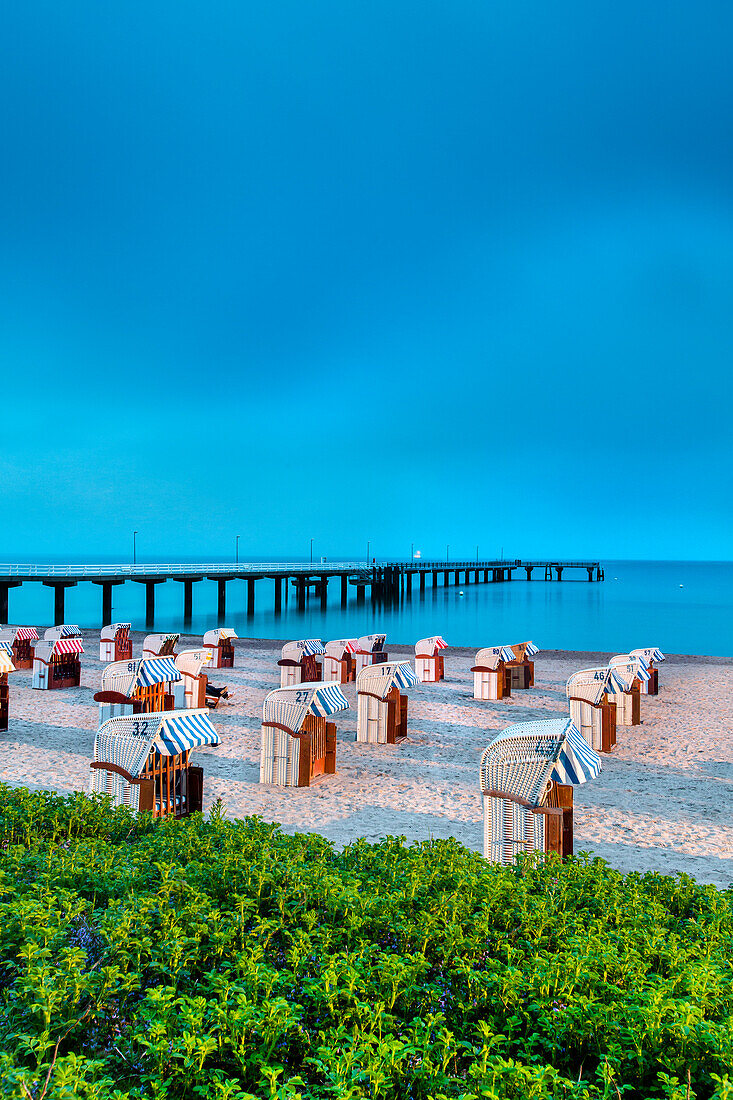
x,y
306,647
492,657
527,756
221,634
339,648
125,677
591,684
55,633
428,647
628,668
371,643
522,650
189,662
18,634
169,733
109,633
289,706
45,650
379,679
649,656
154,642
6,663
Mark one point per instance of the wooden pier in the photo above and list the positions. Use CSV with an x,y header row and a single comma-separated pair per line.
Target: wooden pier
x,y
387,581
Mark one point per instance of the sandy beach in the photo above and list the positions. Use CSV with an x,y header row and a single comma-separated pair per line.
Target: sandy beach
x,y
662,802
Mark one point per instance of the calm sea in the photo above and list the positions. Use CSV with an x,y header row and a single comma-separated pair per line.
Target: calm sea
x,y
682,607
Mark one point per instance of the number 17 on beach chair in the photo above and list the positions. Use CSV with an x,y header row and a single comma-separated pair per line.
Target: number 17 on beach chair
x,y
298,743
527,778
382,708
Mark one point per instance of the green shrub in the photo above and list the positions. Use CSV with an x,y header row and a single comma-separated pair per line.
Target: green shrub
x,y
223,959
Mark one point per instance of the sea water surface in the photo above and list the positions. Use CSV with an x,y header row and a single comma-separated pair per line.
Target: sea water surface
x,y
682,607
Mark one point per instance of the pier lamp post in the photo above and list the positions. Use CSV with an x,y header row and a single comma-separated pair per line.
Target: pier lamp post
x,y
368,551
477,555
447,553
412,550
134,547
236,549
311,551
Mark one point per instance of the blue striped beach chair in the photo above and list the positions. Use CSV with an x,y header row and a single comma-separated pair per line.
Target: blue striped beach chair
x,y
298,744
142,761
381,706
527,778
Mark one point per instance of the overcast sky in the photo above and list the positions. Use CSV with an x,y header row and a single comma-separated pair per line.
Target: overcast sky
x,y
418,273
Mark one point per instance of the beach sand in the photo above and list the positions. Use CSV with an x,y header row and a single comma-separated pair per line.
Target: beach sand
x,y
662,802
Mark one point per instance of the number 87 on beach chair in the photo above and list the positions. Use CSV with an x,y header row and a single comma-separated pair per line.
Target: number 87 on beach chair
x,y
527,778
298,744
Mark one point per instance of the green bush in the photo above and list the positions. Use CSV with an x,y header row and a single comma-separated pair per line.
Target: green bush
x,y
223,959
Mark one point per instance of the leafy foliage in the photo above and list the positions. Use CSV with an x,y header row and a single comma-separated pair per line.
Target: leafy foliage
x,y
211,958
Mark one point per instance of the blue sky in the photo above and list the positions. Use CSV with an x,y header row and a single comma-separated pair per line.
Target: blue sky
x,y
414,273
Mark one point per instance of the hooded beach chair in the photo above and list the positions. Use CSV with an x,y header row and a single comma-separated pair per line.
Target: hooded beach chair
x,y
632,671
115,643
651,658
369,651
160,645
221,644
191,692
298,744
592,695
144,685
56,661
298,662
19,641
429,659
338,662
6,667
527,778
381,717
143,761
491,677
521,668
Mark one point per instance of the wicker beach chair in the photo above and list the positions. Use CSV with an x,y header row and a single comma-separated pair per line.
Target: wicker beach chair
x,y
299,662
632,671
429,659
527,778
143,761
381,706
651,658
221,644
160,645
144,685
6,667
592,694
298,744
491,678
369,651
521,668
19,642
339,664
56,661
115,643
191,692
